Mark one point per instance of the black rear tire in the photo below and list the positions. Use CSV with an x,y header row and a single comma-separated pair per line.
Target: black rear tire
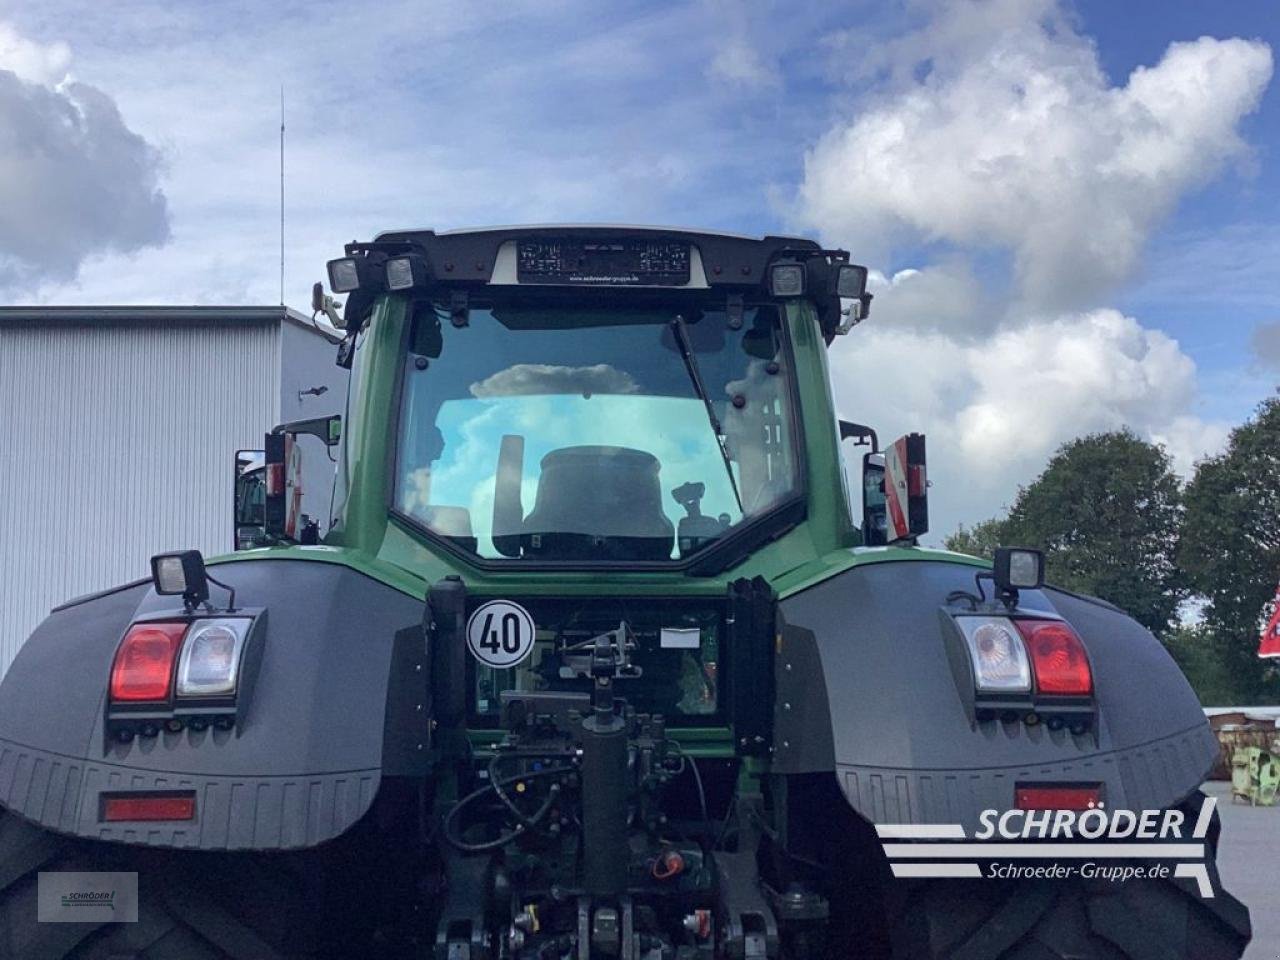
x,y
196,905
1070,920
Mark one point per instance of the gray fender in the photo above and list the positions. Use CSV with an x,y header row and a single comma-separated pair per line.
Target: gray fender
x,y
864,689
321,726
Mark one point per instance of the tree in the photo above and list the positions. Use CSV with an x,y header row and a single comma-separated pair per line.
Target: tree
x,y
1195,649
1106,511
980,540
1230,546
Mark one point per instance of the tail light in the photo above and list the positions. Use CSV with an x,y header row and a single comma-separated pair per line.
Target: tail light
x,y
210,661
1061,664
143,667
999,660
1051,796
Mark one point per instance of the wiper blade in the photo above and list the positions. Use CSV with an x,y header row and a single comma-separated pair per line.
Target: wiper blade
x,y
681,332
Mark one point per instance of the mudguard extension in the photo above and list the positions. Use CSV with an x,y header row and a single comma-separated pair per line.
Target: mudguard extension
x,y
309,757
865,689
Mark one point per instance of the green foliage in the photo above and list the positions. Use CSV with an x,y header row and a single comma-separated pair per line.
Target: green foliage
x,y
1195,648
1106,512
1230,547
980,540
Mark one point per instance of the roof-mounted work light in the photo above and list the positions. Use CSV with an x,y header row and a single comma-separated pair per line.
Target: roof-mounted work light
x,y
851,281
347,274
786,279
851,284
344,275
405,273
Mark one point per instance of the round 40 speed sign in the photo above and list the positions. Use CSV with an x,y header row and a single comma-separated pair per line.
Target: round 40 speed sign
x,y
500,634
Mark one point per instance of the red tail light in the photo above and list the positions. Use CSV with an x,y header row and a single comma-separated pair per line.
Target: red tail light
x,y
1054,797
1057,656
143,668
169,806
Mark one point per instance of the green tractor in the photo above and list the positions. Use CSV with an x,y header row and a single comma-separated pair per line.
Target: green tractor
x,y
593,659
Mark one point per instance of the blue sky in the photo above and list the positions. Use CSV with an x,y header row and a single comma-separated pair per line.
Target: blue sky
x,y
1062,244
1213,273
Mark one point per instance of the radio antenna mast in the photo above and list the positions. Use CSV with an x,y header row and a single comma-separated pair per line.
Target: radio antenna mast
x,y
282,194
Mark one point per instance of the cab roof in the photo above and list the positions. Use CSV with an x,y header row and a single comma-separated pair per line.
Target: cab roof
x,y
726,259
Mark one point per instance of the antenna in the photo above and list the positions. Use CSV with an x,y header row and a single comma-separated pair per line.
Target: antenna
x,y
282,194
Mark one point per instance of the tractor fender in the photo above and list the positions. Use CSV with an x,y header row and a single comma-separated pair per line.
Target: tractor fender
x,y
337,702
864,689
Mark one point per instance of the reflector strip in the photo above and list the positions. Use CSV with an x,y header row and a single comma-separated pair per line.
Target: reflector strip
x,y
1053,797
895,492
166,806
275,480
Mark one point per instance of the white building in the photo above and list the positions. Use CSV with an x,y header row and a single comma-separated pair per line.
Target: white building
x,y
120,431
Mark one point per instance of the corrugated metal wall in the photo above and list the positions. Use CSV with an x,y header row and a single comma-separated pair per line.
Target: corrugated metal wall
x,y
119,443
309,364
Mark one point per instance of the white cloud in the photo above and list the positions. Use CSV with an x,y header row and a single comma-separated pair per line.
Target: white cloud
x,y
33,62
1014,140
738,62
995,409
944,296
1189,439
1265,344
992,129
74,179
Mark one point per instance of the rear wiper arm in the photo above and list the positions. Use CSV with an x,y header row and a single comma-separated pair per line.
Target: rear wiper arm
x,y
681,332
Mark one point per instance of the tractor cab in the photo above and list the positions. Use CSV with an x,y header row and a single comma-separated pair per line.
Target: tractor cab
x,y
595,397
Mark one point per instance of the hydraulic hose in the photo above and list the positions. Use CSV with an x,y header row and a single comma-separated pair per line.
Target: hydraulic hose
x,y
697,780
458,843
496,781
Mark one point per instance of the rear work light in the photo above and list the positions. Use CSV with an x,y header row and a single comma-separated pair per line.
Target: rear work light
x,y
164,806
1051,796
1058,656
143,667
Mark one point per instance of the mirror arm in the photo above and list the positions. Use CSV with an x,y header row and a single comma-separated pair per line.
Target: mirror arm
x,y
321,427
861,433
